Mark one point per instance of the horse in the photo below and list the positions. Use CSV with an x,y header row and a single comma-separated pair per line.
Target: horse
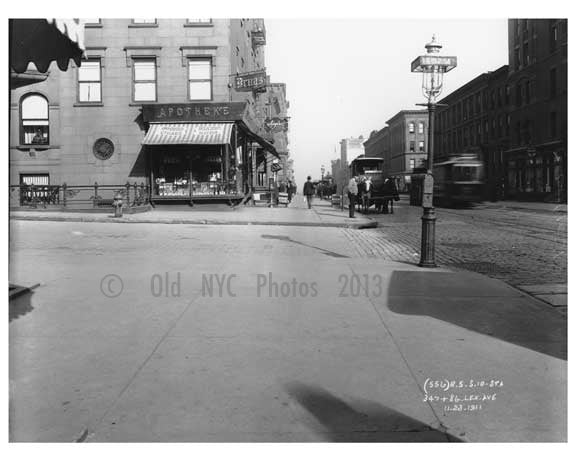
x,y
390,194
364,194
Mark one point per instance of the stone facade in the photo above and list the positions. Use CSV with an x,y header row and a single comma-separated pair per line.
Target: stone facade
x,y
68,155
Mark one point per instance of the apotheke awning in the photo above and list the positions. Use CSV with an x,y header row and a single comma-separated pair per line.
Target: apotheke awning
x,y
188,133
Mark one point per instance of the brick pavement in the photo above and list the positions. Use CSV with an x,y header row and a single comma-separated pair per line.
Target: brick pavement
x,y
527,249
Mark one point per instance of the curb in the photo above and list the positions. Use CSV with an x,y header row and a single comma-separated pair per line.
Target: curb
x,y
543,304
366,225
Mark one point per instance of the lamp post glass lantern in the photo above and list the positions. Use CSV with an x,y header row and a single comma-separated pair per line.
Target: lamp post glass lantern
x,y
432,66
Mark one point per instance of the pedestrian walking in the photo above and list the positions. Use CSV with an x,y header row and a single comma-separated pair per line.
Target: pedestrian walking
x,y
308,191
352,194
289,190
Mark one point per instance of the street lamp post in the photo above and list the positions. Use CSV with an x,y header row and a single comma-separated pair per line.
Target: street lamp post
x,y
433,67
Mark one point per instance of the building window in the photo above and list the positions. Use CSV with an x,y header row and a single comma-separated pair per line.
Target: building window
x,y
199,21
553,124
144,21
421,146
34,120
553,81
91,21
527,91
553,38
412,163
144,79
42,179
412,146
90,81
411,127
421,128
200,79
518,95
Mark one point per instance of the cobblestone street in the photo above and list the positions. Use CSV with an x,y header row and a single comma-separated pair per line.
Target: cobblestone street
x,y
524,248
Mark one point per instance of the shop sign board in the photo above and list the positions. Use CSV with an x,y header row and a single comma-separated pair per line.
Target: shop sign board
x,y
193,112
276,124
253,81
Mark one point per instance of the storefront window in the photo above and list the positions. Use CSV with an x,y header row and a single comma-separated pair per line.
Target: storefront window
x,y
34,120
200,79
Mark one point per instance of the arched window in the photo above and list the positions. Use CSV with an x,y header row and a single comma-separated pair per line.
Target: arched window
x,y
34,120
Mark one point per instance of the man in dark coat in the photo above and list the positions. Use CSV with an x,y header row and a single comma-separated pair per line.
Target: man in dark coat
x,y
289,189
308,191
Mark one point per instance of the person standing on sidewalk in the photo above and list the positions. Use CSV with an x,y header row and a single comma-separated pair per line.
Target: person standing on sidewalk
x,y
308,191
289,190
352,194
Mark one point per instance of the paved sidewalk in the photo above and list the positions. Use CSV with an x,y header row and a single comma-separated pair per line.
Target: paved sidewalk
x,y
403,354
297,214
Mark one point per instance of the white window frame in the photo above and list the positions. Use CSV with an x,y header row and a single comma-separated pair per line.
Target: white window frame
x,y
208,59
99,81
135,60
29,121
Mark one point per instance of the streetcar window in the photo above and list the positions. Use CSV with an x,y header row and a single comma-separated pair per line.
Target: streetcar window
x,y
465,173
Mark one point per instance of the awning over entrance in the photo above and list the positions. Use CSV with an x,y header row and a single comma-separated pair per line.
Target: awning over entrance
x,y
42,41
188,133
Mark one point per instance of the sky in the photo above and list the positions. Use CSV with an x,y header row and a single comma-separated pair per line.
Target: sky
x,y
347,77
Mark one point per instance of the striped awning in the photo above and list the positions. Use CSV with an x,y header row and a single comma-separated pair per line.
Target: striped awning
x,y
188,133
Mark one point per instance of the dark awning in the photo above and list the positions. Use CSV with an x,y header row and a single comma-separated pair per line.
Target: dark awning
x,y
259,139
41,41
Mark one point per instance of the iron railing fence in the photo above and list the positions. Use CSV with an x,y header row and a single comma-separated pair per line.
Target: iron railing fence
x,y
78,196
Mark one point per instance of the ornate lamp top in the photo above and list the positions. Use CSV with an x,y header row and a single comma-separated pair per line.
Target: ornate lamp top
x,y
433,46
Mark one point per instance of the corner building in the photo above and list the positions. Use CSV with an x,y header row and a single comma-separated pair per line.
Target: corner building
x,y
154,102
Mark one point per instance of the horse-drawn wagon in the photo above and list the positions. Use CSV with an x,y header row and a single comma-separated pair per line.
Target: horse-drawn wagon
x,y
374,188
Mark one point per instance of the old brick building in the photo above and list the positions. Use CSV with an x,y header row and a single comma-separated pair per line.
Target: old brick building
x,y
155,101
378,145
538,66
474,119
408,139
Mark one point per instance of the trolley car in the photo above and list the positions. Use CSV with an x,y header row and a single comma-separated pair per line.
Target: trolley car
x,y
459,180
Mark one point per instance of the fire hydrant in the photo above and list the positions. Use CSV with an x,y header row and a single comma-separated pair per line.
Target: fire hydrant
x,y
117,203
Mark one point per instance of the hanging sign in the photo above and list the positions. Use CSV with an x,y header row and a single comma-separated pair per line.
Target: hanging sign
x,y
276,124
254,81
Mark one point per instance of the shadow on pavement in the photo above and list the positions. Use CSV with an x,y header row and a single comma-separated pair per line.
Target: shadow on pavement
x,y
20,306
456,299
360,421
289,239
